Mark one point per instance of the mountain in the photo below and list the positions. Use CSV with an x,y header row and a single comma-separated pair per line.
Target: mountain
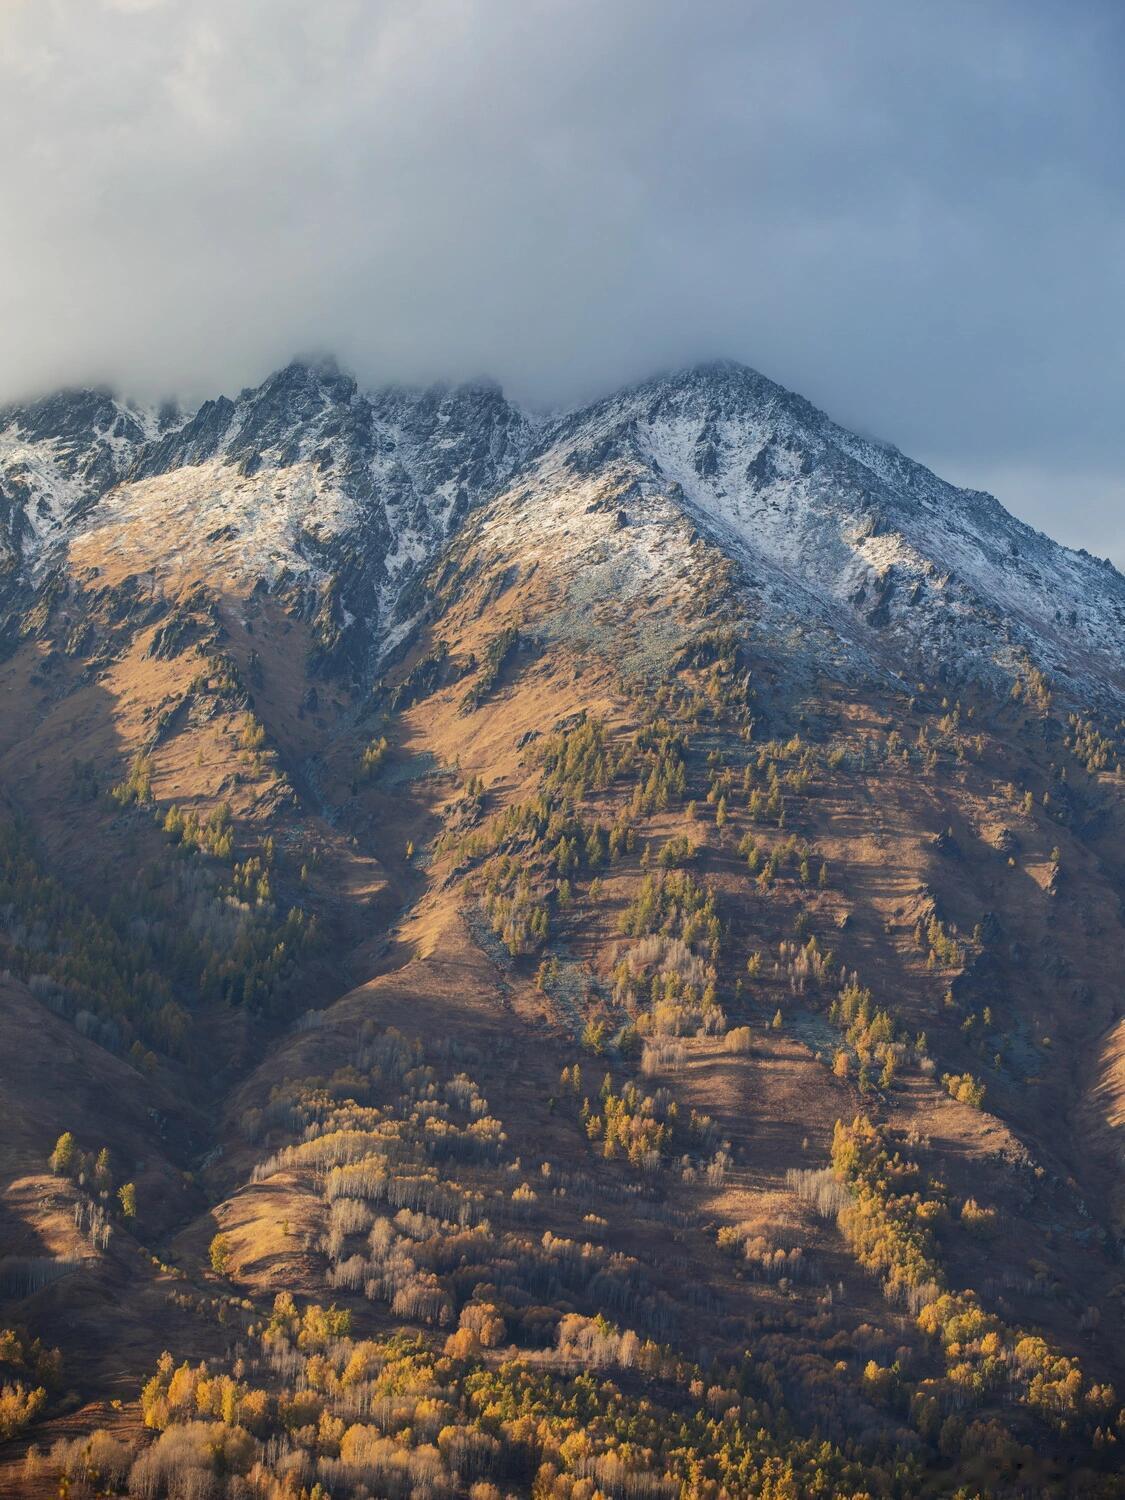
x,y
307,480
550,955
301,482
846,531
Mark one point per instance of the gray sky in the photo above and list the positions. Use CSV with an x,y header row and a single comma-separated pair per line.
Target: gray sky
x,y
911,212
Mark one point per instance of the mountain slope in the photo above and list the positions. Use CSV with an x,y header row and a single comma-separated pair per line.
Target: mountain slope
x,y
613,921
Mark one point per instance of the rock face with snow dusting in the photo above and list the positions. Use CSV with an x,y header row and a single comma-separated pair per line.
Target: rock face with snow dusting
x,y
342,499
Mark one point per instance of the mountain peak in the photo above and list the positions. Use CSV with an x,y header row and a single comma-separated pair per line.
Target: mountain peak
x,y
846,530
702,374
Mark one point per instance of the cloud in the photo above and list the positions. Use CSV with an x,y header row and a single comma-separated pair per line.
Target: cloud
x,y
912,214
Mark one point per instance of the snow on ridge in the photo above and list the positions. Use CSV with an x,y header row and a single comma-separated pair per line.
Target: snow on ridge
x,y
57,457
204,520
861,524
908,568
299,468
318,477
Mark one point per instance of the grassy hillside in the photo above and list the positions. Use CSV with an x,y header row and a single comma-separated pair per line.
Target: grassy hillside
x,y
599,1059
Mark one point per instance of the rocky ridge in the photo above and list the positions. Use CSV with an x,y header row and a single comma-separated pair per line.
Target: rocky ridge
x,y
854,556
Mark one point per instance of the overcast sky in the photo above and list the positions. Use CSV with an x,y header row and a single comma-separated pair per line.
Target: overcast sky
x,y
912,212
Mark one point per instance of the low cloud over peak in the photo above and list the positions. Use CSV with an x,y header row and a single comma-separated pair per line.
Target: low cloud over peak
x,y
912,215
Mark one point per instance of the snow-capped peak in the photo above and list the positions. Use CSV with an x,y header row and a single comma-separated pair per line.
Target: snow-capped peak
x,y
309,478
910,567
